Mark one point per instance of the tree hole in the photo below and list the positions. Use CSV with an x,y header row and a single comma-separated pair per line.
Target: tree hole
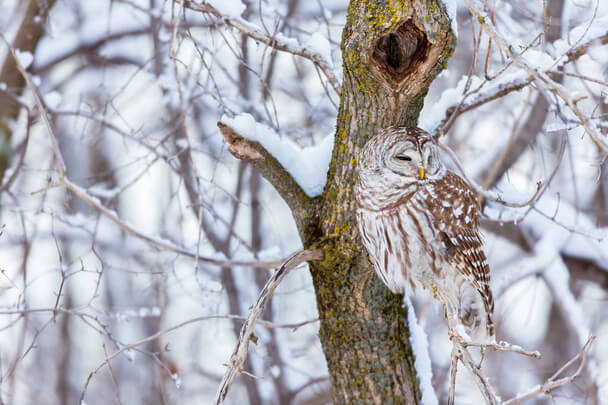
x,y
399,52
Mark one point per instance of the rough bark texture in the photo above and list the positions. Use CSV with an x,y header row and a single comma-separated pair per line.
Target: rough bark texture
x,y
391,50
26,39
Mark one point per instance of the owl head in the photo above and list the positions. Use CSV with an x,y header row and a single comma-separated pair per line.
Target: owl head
x,y
400,156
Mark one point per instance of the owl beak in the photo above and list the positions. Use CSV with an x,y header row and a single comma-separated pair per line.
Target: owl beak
x,y
421,172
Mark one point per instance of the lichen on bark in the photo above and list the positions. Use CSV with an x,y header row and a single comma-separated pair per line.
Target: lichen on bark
x,y
363,326
391,52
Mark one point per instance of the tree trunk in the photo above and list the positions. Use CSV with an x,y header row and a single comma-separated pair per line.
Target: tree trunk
x,y
26,39
391,52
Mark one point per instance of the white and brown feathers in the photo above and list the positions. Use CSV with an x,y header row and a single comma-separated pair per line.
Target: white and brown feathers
x,y
419,223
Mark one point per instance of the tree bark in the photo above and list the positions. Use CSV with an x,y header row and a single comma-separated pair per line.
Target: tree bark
x,y
26,39
391,52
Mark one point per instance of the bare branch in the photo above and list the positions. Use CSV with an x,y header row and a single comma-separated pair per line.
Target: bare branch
x,y
272,42
158,243
553,383
239,353
540,78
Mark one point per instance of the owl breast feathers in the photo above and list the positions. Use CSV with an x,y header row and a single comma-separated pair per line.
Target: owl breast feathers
x,y
419,223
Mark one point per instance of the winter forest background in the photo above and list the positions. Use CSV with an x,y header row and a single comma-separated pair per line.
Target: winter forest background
x,y
115,204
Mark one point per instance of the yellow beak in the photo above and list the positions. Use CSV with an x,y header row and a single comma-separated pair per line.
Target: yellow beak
x,y
421,173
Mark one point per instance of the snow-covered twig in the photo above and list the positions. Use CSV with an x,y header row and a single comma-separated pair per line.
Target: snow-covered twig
x,y
541,79
552,382
477,97
270,41
505,347
492,196
241,349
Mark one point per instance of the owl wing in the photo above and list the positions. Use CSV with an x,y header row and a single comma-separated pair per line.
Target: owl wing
x,y
456,210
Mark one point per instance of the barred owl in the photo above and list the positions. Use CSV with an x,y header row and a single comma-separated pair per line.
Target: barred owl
x,y
419,224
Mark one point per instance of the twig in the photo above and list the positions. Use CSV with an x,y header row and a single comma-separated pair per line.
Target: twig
x,y
272,42
239,353
505,346
158,243
552,382
153,337
542,79
459,352
486,194
41,107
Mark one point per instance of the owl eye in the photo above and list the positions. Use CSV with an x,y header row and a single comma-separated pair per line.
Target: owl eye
x,y
403,158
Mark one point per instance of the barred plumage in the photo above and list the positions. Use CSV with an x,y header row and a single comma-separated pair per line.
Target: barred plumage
x,y
419,222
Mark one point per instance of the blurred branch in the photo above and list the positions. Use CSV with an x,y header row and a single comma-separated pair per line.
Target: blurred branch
x,y
41,107
273,42
477,98
552,382
492,196
90,47
26,39
581,50
155,336
268,166
541,79
536,118
158,243
94,202
240,352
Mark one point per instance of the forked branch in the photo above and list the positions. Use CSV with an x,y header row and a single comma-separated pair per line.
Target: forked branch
x,y
554,381
461,354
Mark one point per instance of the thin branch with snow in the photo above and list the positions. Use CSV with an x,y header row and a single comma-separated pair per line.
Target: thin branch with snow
x,y
273,42
241,349
553,382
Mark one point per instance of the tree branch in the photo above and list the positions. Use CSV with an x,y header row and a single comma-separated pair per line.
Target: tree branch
x,y
269,167
541,79
272,42
240,351
552,383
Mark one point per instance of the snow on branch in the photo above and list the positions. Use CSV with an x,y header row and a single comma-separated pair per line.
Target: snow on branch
x,y
283,163
239,355
278,41
473,91
554,381
94,203
536,73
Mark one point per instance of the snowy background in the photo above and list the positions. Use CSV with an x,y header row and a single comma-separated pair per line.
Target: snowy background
x,y
134,89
